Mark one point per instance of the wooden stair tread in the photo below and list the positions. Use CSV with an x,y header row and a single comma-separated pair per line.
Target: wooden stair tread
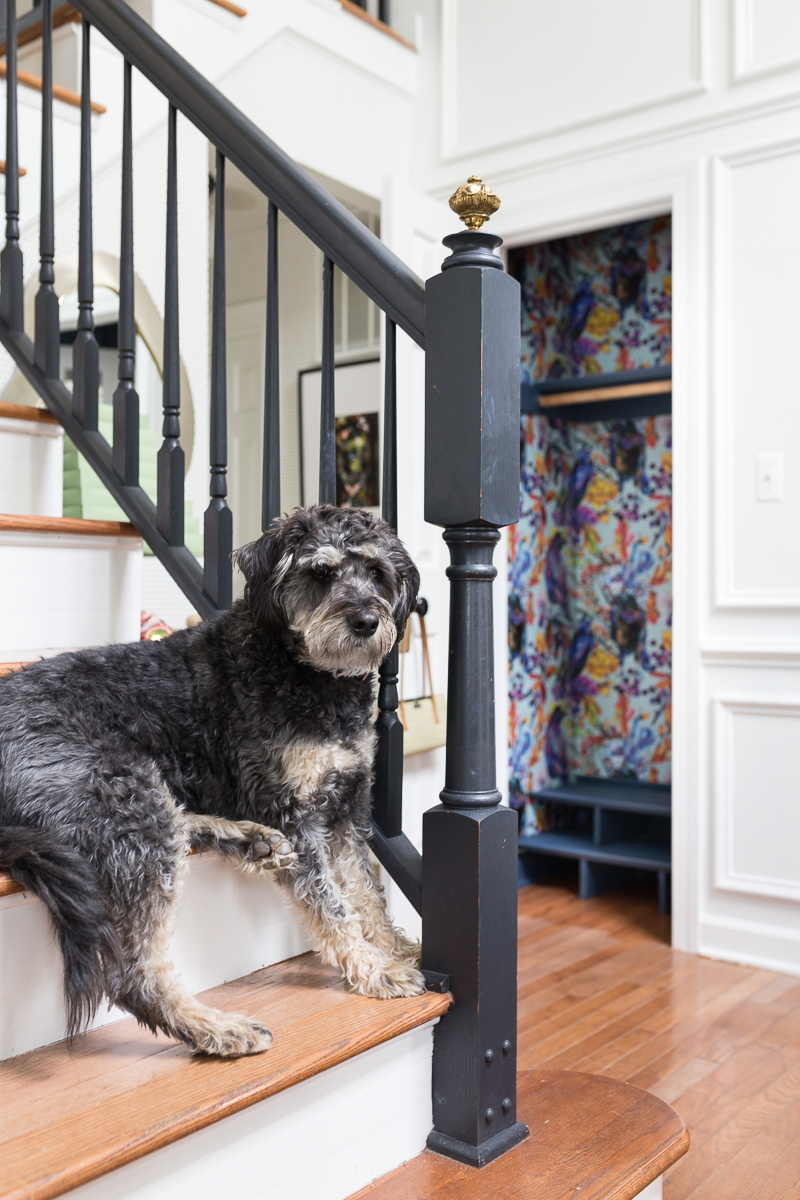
x,y
591,1137
68,1117
26,412
73,525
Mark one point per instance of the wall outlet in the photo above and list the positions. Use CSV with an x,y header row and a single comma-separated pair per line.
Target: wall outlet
x,y
769,475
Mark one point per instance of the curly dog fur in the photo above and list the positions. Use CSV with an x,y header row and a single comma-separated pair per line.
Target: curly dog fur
x,y
251,735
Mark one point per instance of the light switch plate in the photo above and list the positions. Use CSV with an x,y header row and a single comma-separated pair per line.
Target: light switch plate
x,y
769,475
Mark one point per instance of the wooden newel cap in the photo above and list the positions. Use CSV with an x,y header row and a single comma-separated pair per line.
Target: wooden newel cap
x,y
474,202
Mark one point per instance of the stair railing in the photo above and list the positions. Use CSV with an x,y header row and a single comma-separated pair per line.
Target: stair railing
x,y
467,319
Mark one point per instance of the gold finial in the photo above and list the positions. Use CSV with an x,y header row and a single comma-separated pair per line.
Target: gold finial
x,y
474,202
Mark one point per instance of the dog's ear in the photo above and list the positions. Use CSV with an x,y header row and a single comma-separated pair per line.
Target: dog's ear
x,y
265,563
408,589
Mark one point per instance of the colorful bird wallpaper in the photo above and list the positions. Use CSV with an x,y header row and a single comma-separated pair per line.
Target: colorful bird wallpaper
x,y
590,609
601,301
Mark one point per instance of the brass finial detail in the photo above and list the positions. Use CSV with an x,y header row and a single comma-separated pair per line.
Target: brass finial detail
x,y
474,202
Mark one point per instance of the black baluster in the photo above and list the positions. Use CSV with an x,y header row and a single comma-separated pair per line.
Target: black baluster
x,y
327,420
11,256
170,456
126,398
469,860
388,788
218,525
47,347
271,482
85,352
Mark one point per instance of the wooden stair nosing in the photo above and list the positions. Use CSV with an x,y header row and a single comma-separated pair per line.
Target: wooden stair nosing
x,y
591,1136
26,412
25,79
10,523
67,1117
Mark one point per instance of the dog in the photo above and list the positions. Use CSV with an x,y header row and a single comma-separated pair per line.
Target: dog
x,y
250,735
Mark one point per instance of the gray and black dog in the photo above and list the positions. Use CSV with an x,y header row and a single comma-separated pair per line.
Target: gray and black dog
x,y
250,735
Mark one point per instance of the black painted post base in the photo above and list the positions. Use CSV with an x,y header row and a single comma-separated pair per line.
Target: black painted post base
x,y
469,921
478,1156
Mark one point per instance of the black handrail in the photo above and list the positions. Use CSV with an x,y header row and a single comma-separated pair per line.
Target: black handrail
x,y
369,263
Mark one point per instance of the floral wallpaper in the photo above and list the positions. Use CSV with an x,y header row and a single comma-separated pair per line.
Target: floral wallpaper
x,y
597,302
590,616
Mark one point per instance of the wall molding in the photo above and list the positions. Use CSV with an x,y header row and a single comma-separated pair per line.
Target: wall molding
x,y
726,594
745,67
756,652
755,943
451,152
725,876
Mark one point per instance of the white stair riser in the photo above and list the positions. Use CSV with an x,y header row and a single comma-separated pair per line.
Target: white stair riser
x,y
229,924
31,468
61,591
324,1138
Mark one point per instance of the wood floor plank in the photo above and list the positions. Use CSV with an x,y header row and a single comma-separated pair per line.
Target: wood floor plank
x,y
719,1040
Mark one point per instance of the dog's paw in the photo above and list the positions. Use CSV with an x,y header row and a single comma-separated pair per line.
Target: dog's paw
x,y
270,851
232,1036
392,981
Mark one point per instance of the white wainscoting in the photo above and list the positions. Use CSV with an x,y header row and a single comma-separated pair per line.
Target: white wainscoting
x,y
756,795
766,37
756,409
550,67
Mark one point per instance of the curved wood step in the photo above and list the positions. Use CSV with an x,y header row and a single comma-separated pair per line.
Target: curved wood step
x,y
70,1116
591,1137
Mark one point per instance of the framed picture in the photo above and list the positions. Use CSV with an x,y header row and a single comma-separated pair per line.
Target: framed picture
x,y
357,430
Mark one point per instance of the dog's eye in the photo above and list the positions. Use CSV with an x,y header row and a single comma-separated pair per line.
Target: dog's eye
x,y
321,571
375,571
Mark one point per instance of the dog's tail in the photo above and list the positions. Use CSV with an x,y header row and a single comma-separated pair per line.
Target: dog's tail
x,y
71,891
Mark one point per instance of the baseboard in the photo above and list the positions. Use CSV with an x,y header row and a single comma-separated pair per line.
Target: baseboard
x,y
752,943
229,924
326,1137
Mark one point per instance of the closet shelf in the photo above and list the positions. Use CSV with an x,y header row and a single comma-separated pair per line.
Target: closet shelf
x,y
647,856
619,795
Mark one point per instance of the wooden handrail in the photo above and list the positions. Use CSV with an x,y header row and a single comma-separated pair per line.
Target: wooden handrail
x,y
20,170
356,11
59,93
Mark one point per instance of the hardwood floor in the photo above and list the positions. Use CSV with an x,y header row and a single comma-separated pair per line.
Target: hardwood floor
x,y
601,991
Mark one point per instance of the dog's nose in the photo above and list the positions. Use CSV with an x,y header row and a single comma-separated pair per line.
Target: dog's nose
x,y
363,623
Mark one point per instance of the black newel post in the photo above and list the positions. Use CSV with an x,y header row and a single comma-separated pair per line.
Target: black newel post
x,y
469,860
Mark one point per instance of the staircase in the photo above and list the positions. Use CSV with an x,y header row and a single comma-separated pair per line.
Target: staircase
x,y
352,1086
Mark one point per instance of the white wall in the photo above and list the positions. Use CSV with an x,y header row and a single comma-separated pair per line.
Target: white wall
x,y
581,117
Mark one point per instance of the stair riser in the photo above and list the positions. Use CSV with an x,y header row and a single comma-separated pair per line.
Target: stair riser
x,y
31,468
229,924
65,591
324,1138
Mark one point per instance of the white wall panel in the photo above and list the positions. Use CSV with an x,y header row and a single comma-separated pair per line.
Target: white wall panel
x,y
766,37
757,410
757,796
547,67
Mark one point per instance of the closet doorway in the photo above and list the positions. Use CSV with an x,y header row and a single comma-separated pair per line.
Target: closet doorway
x,y
590,595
